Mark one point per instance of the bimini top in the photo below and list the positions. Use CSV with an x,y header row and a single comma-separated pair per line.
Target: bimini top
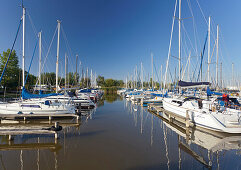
x,y
184,84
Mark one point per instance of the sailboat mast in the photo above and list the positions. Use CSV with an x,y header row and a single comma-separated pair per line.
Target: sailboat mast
x,y
23,62
40,60
76,69
209,23
141,76
136,77
87,76
179,39
221,81
161,78
91,79
217,58
65,81
152,70
232,84
57,62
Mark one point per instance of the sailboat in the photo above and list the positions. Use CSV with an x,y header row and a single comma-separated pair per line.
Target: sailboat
x,y
43,106
205,113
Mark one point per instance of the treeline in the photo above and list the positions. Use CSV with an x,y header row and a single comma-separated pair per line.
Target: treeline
x,y
102,82
12,78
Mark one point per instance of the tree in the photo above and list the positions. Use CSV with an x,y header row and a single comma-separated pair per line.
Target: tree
x,y
100,81
11,75
109,83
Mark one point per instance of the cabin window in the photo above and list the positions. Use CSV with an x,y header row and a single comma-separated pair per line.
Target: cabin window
x,y
33,106
178,102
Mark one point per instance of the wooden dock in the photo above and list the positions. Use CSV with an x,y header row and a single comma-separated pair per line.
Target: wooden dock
x,y
159,110
38,116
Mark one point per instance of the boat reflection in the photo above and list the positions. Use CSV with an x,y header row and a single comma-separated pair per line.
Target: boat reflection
x,y
204,146
209,142
31,140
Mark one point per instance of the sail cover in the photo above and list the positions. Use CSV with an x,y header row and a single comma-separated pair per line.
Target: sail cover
x,y
28,95
184,84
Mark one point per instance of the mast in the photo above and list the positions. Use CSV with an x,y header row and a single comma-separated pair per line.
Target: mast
x,y
40,60
170,44
179,39
95,80
141,76
209,23
91,79
87,81
161,78
221,81
65,81
232,76
136,77
152,70
67,70
76,69
188,72
57,62
126,82
23,62
217,60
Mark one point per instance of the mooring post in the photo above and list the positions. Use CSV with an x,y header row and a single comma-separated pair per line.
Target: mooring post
x,y
10,137
56,125
56,135
187,119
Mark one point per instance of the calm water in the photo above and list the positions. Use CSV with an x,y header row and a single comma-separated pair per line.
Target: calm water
x,y
120,135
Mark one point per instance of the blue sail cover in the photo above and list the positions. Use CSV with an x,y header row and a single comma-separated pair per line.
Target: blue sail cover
x,y
159,95
28,95
209,93
85,91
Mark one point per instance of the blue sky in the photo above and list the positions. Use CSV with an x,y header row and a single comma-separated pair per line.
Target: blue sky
x,y
113,36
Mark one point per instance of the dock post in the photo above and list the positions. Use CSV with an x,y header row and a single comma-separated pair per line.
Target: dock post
x,y
24,119
10,137
56,125
170,118
187,119
56,136
50,119
77,118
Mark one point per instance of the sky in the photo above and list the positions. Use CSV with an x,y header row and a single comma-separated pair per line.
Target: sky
x,y
112,37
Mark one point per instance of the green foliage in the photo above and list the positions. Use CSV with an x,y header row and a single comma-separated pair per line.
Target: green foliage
x,y
100,81
11,75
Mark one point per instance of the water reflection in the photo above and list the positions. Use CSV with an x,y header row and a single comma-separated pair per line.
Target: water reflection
x,y
207,148
119,135
30,143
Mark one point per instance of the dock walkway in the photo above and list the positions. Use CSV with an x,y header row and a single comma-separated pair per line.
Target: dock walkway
x,y
159,110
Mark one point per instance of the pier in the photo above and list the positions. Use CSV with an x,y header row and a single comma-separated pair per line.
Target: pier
x,y
159,110
38,116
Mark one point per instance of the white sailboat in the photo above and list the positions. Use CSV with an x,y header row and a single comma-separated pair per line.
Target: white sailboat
x,y
37,106
205,113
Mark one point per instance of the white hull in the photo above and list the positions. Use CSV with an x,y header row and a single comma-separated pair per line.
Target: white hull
x,y
216,121
35,108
